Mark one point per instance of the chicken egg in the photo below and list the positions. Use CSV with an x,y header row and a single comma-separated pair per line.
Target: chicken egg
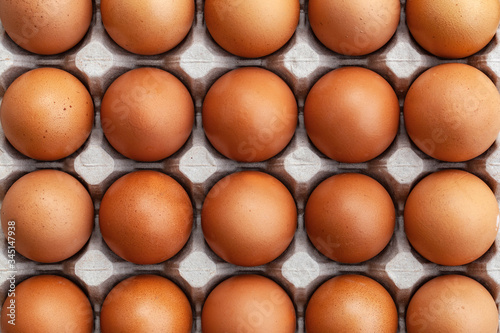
x,y
452,29
350,217
249,218
147,27
145,304
248,303
46,26
49,214
452,112
251,29
249,114
146,217
452,303
354,27
351,114
46,304
147,114
451,217
47,114
351,303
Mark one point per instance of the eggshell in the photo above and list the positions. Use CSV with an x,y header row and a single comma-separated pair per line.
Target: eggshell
x,y
250,304
47,303
254,28
452,303
351,303
147,114
354,27
146,217
249,114
249,218
47,114
46,26
451,217
351,114
452,29
53,215
147,27
350,217
452,112
144,304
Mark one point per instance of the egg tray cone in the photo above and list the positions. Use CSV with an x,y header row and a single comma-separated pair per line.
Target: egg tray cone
x,y
198,61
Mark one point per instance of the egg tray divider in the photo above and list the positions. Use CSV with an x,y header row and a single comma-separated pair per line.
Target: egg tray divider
x,y
198,61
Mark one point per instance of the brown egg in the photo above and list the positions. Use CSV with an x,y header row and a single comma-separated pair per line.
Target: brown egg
x,y
451,217
452,112
49,214
250,304
47,303
147,114
249,218
251,29
350,217
354,27
454,29
46,26
249,114
47,114
351,303
146,217
352,114
144,304
452,303
147,27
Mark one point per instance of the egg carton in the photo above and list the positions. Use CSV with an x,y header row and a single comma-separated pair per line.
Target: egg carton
x,y
198,61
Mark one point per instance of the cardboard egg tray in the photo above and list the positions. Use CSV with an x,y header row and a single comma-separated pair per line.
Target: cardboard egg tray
x,y
198,61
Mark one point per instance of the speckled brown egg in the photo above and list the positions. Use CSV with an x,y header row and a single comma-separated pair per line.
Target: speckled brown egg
x,y
452,112
146,217
147,114
49,214
250,304
452,303
47,114
144,304
354,27
350,217
46,26
453,29
251,29
352,114
249,218
147,27
249,114
47,303
351,303
451,217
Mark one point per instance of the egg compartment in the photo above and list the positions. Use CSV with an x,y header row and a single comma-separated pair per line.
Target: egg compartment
x,y
198,61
